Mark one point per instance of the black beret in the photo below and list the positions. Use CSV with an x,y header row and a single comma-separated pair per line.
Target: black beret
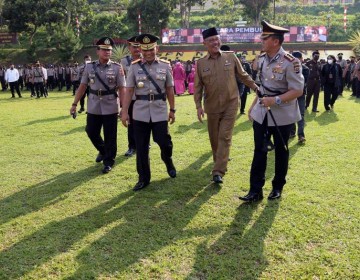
x,y
209,32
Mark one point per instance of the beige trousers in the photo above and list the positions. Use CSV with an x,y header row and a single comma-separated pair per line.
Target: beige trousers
x,y
220,128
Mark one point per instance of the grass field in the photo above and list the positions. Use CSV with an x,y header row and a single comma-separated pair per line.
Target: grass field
x,y
60,218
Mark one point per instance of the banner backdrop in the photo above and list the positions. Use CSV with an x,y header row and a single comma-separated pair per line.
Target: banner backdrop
x,y
249,34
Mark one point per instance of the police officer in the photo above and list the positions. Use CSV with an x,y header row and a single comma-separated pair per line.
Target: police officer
x,y
215,75
39,74
87,59
106,80
150,79
134,48
274,110
74,75
301,102
314,81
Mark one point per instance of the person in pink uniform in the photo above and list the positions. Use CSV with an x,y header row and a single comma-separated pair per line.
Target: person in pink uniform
x,y
179,78
190,81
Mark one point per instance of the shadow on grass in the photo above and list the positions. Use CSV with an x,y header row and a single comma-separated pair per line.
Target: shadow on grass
x,y
239,253
75,130
46,193
195,125
133,227
59,118
327,117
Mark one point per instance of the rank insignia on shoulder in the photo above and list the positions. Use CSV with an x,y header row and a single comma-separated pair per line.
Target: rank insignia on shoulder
x,y
289,57
136,61
164,60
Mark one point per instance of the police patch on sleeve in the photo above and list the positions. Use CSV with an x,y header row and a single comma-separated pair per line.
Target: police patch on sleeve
x,y
296,67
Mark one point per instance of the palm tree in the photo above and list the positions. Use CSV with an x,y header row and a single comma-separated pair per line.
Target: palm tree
x,y
355,42
119,52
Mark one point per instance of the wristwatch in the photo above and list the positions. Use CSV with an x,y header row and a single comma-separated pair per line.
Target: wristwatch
x,y
278,100
173,110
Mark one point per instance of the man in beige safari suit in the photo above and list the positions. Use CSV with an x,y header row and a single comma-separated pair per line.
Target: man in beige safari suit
x,y
215,75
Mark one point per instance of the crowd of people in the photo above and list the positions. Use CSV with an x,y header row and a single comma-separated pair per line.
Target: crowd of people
x,y
145,86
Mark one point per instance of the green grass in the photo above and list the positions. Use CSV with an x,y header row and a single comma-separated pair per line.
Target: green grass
x,y
60,218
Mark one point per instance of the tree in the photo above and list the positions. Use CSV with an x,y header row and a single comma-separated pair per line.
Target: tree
x,y
355,42
253,8
66,42
185,9
154,15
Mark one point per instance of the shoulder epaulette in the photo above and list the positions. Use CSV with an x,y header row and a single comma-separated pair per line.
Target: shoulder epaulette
x,y
136,61
227,51
262,54
163,60
289,57
116,63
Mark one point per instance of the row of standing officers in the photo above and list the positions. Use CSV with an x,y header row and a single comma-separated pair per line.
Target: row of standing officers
x,y
149,87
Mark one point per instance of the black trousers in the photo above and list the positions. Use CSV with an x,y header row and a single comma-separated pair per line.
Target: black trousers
x,y
107,146
258,166
14,86
313,89
40,89
161,136
330,95
75,85
130,130
243,99
82,100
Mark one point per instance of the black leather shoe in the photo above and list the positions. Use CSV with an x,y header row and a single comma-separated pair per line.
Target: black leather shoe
x,y
140,185
170,168
81,110
99,158
217,179
106,169
275,194
252,197
130,152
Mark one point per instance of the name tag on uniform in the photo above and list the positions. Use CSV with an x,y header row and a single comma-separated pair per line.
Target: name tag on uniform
x,y
206,70
140,71
227,63
161,71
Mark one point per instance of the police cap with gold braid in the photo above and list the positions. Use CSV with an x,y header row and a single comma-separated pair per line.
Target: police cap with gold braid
x,y
147,41
132,41
270,29
105,43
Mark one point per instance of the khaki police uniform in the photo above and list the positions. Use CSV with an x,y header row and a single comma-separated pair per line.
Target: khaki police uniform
x,y
278,75
39,77
103,106
150,112
217,78
313,84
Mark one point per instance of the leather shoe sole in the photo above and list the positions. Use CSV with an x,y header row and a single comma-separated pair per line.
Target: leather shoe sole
x,y
274,195
252,197
140,185
217,179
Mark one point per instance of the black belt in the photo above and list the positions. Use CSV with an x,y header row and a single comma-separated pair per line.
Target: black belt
x,y
151,97
101,92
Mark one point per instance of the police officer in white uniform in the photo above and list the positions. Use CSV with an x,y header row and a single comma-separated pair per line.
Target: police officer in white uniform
x,y
274,111
107,80
152,82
